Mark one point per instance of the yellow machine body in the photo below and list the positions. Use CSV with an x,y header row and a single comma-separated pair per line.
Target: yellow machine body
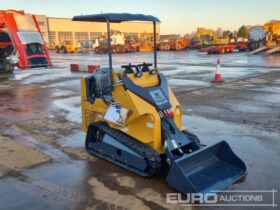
x,y
143,123
151,136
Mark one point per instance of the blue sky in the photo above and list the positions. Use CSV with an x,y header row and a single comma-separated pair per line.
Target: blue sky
x,y
177,16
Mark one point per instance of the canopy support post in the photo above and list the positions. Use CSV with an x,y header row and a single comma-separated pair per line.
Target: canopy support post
x,y
109,45
155,44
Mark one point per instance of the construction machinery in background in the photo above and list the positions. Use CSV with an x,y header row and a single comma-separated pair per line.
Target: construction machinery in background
x,y
118,44
207,37
273,32
261,39
84,46
21,32
229,48
81,46
133,119
146,43
257,37
66,47
203,37
173,42
207,40
51,46
272,39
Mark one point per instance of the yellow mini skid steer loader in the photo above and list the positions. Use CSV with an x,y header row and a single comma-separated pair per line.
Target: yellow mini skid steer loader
x,y
133,120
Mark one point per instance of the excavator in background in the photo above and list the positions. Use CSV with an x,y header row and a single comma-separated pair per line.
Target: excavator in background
x,y
133,119
21,36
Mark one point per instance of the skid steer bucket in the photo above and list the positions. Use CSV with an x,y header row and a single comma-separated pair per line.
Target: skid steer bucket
x,y
210,169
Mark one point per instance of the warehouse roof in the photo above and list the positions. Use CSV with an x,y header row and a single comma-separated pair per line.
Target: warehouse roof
x,y
116,17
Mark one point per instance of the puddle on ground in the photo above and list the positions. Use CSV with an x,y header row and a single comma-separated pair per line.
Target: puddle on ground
x,y
21,76
65,84
48,76
72,107
62,93
270,98
183,82
249,85
75,140
41,146
276,81
267,89
248,108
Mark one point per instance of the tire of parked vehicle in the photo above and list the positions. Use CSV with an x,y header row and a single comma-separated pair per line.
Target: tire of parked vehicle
x,y
9,67
64,50
57,50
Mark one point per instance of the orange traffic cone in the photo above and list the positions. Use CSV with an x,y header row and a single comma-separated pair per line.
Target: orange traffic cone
x,y
218,76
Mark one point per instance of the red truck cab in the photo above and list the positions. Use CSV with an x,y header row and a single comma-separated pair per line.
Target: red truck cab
x,y
26,38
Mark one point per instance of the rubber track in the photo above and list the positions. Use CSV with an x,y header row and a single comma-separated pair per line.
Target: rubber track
x,y
152,157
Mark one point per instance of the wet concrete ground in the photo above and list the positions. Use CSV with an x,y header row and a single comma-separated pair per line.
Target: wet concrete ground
x,y
40,109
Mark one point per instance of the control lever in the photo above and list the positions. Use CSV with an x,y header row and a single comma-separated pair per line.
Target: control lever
x,y
138,73
129,70
145,68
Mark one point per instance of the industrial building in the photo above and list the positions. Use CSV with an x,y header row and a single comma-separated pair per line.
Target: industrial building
x,y
57,30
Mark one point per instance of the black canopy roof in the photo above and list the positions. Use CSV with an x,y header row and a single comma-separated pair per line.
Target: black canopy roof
x,y
116,17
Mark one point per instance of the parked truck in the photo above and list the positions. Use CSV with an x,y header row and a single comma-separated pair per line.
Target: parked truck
x,y
21,35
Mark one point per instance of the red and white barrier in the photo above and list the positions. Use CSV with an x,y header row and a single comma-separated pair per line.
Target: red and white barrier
x,y
83,68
